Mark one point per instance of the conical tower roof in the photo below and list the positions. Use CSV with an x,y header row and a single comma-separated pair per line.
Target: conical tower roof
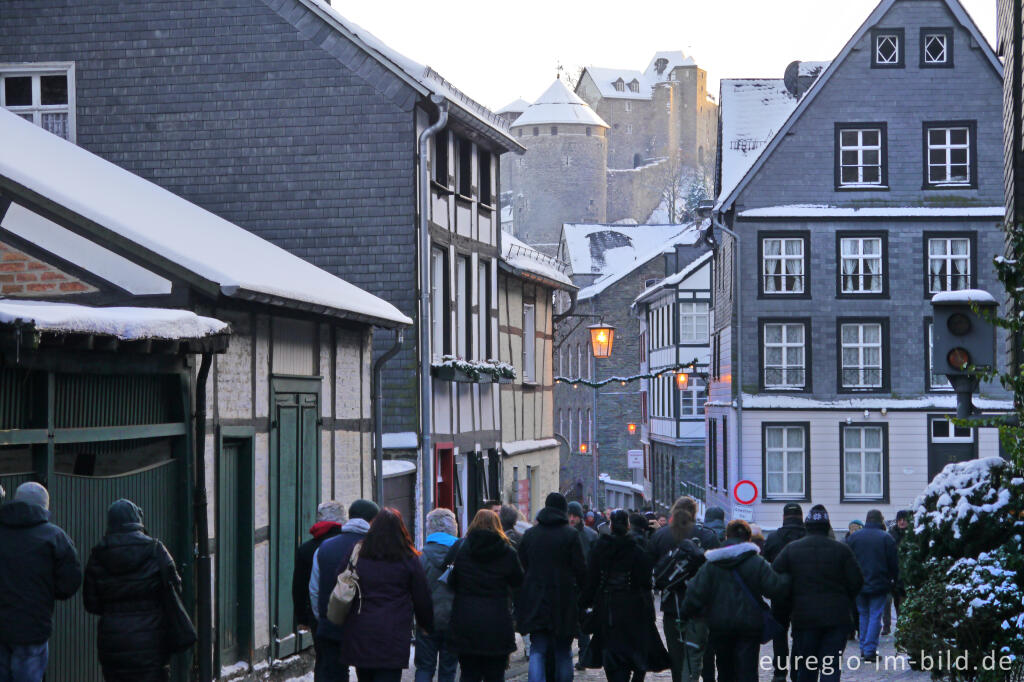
x,y
557,105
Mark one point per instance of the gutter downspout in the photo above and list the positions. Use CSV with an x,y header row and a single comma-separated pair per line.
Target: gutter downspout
x,y
204,596
378,416
426,383
738,341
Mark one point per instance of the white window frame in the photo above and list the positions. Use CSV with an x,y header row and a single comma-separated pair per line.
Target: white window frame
x,y
927,39
887,38
783,259
862,451
953,428
462,294
860,148
946,147
784,345
860,260
529,343
438,304
694,322
785,471
37,109
947,258
629,128
936,382
483,315
628,106
861,347
692,399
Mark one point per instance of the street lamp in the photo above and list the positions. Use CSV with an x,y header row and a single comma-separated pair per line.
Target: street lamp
x,y
602,336
631,427
583,448
682,380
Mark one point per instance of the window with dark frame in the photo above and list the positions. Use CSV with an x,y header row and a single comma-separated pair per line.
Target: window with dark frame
x,y
439,311
725,452
864,460
42,97
949,265
861,264
936,381
784,356
887,48
861,156
861,358
713,453
936,48
785,461
486,192
465,170
782,265
950,153
441,157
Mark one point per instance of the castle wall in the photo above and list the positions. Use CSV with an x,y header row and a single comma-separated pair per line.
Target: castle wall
x,y
635,192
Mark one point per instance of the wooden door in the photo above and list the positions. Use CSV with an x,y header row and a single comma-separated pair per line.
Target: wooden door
x,y
234,550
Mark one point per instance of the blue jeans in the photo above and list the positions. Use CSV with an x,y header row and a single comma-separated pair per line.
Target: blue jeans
x,y
23,662
870,607
432,654
542,645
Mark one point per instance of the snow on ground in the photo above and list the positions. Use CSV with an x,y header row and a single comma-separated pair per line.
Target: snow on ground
x,y
127,324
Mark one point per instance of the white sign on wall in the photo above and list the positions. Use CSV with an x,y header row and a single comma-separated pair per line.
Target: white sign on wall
x,y
635,459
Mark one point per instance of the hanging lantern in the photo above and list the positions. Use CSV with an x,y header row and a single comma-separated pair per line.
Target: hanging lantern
x,y
682,380
602,336
583,448
631,427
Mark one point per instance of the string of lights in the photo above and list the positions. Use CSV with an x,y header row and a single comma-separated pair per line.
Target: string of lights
x,y
674,369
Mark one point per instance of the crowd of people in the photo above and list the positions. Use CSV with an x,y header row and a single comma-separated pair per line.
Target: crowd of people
x,y
596,578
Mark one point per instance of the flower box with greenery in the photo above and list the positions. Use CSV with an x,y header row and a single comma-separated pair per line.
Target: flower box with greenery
x,y
452,368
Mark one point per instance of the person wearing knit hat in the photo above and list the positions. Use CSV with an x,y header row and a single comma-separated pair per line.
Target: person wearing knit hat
x,y
588,538
38,564
330,516
555,571
363,509
825,578
854,526
792,529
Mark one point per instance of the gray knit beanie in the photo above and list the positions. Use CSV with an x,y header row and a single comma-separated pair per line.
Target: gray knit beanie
x,y
32,493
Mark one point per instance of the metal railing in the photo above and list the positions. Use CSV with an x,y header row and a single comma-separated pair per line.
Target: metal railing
x,y
694,490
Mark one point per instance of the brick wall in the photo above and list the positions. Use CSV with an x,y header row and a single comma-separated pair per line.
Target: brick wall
x,y
22,275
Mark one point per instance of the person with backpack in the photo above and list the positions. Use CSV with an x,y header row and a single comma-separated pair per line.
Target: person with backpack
x,y
485,570
714,518
433,650
792,529
688,646
825,578
625,638
548,606
728,589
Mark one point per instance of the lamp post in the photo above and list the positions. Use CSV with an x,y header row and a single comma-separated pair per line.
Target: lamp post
x,y
602,337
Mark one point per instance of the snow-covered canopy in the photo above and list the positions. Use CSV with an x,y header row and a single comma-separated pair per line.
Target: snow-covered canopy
x,y
428,80
202,245
979,296
929,402
520,447
127,324
520,256
557,105
400,440
826,211
752,111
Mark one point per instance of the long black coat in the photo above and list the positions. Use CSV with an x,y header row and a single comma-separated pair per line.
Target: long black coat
x,y
792,529
619,589
825,578
486,570
552,557
122,585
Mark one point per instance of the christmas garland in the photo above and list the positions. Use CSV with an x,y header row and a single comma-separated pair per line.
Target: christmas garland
x,y
623,380
475,368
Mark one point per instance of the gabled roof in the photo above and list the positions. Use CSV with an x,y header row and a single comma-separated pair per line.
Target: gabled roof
x,y
528,262
559,104
422,78
118,208
725,201
675,279
517,106
605,80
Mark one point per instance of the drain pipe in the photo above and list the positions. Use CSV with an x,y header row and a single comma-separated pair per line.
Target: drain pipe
x,y
738,344
426,383
378,416
204,597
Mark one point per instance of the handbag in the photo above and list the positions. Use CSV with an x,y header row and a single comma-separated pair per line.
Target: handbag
x,y
770,628
345,591
180,633
449,570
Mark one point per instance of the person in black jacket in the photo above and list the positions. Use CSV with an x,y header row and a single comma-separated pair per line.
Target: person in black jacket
x,y
588,536
734,613
38,563
875,550
329,517
547,609
687,639
619,590
825,578
898,532
485,570
792,529
124,577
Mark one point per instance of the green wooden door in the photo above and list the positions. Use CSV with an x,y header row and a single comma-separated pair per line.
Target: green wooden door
x,y
234,550
295,477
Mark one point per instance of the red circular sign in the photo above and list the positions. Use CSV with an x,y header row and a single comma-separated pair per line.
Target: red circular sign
x,y
745,488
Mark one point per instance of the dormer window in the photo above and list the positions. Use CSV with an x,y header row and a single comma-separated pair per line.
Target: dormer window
x,y
660,64
936,48
887,48
634,85
620,85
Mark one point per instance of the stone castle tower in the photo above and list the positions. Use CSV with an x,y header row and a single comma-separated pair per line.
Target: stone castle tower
x,y
608,151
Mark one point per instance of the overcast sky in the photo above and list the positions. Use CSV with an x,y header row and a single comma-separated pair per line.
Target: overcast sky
x,y
498,51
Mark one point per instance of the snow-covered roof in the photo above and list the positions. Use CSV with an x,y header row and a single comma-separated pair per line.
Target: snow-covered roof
x,y
644,244
517,106
826,211
675,58
427,79
752,111
979,296
127,324
726,198
180,235
602,249
675,279
813,68
519,447
605,80
400,440
397,467
927,402
559,104
608,480
526,259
